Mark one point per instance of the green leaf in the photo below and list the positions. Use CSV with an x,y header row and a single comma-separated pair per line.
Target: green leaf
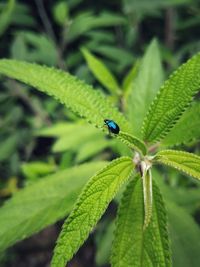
x,y
74,140
172,99
127,244
184,233
42,50
75,94
144,6
86,21
61,12
43,203
92,147
148,197
187,128
92,203
9,146
61,129
145,86
22,15
133,246
119,56
129,78
104,243
132,142
19,48
37,168
182,228
100,36
101,72
188,163
6,16
188,198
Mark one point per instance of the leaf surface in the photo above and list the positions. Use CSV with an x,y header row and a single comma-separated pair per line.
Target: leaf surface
x,y
43,203
120,57
145,86
188,163
172,99
188,198
75,94
129,78
91,148
133,246
74,140
104,242
93,201
101,72
61,129
132,142
86,21
183,230
187,128
37,169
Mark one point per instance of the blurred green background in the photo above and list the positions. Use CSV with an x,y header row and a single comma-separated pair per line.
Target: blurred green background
x,y
38,136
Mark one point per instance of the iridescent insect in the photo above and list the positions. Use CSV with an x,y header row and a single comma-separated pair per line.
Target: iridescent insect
x,y
112,126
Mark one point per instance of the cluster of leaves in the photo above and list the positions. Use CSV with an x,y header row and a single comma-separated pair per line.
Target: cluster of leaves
x,y
142,215
19,28
91,28
162,127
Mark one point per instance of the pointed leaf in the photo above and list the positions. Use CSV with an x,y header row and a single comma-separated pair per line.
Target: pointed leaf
x,y
187,128
145,87
188,163
92,203
129,78
172,99
43,203
132,142
134,247
75,94
101,72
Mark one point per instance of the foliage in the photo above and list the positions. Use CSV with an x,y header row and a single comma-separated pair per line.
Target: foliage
x,y
139,247
101,188
145,86
43,203
101,72
183,161
83,44
90,206
176,136
164,112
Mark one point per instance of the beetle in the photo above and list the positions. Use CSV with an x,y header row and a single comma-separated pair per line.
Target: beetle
x,y
112,126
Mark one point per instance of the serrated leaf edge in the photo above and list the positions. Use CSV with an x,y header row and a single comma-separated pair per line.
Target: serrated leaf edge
x,y
156,159
91,181
147,121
